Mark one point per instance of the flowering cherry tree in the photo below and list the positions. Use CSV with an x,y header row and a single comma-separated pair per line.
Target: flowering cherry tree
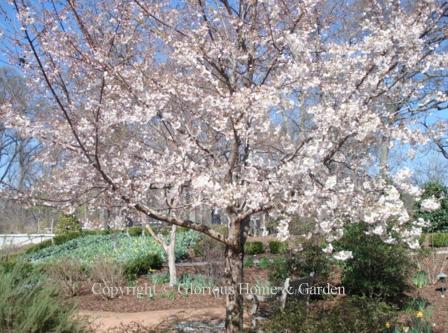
x,y
247,106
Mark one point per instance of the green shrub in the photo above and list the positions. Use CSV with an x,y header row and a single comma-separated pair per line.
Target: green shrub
x,y
349,315
249,262
301,264
263,263
28,304
67,224
438,218
101,232
180,230
141,265
310,260
277,247
439,239
64,238
135,231
279,272
253,248
39,246
377,269
185,241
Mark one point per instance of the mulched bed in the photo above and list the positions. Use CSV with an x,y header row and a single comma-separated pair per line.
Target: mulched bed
x,y
131,303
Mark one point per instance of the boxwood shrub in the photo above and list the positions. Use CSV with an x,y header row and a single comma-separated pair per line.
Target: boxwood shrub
x,y
277,247
253,248
439,239
67,224
141,265
135,231
64,238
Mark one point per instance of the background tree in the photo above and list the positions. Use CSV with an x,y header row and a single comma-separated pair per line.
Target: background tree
x,y
18,154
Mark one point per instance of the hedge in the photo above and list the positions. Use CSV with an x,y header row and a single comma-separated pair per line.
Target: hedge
x,y
277,247
253,248
439,239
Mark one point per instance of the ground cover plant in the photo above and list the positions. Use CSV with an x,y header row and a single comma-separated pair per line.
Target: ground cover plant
x,y
30,304
118,247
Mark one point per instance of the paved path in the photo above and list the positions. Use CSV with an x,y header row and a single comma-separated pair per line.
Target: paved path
x,y
105,320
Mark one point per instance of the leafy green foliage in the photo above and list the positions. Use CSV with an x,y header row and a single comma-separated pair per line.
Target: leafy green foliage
x,y
117,247
349,315
39,246
310,260
438,218
439,239
278,271
189,282
159,278
141,265
421,312
29,305
415,304
377,269
277,247
64,238
67,224
248,263
8,266
185,240
263,263
61,239
420,279
253,248
135,231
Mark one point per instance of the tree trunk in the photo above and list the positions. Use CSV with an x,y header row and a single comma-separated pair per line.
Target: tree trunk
x,y
234,299
234,277
172,256
169,250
